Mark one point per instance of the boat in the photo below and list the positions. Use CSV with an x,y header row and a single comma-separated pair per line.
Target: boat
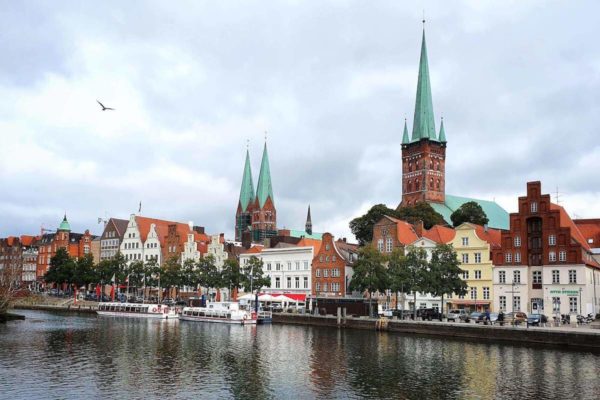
x,y
226,312
139,310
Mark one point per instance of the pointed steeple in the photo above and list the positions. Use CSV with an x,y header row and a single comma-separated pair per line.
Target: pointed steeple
x,y
264,188
64,225
405,139
423,124
442,137
308,226
247,189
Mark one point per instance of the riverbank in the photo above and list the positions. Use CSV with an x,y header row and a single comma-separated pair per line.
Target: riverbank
x,y
74,308
577,338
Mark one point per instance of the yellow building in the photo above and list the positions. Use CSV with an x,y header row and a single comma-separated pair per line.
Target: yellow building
x,y
473,244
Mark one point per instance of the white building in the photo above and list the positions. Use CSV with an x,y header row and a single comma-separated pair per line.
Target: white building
x,y
288,267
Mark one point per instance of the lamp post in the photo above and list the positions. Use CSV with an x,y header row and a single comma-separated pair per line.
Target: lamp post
x,y
513,296
580,291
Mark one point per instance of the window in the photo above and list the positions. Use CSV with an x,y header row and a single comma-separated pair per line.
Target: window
x,y
508,257
388,245
536,276
502,301
465,274
517,258
555,276
297,265
289,265
278,266
477,274
516,276
486,293
297,282
552,256
324,286
333,258
556,304
477,258
572,276
562,256
317,287
573,304
289,282
327,247
268,266
517,241
502,276
552,240
321,258
318,273
473,293
325,273
534,207
517,303
465,241
277,282
380,245
306,282
305,264
465,258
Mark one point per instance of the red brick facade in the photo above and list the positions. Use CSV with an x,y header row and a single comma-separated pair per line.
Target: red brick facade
x,y
328,270
423,172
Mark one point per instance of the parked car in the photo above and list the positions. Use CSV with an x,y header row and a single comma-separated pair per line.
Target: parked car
x,y
515,318
428,313
474,316
455,315
536,319
384,311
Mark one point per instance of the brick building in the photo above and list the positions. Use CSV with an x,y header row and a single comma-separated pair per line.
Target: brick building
x,y
545,263
332,267
111,237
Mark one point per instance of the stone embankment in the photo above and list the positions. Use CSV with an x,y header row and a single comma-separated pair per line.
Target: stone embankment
x,y
577,338
83,309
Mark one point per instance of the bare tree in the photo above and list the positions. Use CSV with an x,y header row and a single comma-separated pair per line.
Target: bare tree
x,y
10,274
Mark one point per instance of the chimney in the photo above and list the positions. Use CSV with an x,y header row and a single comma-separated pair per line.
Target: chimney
x,y
199,229
485,227
344,240
419,228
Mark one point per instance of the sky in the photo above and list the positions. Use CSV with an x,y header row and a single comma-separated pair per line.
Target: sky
x,y
331,82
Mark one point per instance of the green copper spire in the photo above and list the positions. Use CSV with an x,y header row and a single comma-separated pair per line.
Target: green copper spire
x,y
64,225
247,190
423,125
405,139
442,137
264,188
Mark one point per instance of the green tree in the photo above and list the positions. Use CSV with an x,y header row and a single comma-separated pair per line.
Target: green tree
x,y
370,274
254,279
208,273
232,275
417,266
171,275
399,273
422,211
62,268
84,271
469,212
444,276
116,266
362,227
190,274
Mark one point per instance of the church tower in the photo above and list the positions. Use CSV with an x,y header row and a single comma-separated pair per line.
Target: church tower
x,y
264,214
308,225
243,215
424,153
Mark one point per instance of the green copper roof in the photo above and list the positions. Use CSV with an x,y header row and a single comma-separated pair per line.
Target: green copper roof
x,y
264,188
424,124
64,225
405,139
498,216
442,132
247,189
299,233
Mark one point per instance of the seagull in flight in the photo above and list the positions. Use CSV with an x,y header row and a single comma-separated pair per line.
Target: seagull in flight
x,y
105,108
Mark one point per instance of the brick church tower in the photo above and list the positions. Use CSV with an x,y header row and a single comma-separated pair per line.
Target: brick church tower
x,y
424,154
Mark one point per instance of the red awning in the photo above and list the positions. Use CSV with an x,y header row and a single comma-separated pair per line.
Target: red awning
x,y
469,302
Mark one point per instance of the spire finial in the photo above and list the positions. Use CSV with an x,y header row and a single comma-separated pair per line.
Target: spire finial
x,y
265,136
247,144
423,18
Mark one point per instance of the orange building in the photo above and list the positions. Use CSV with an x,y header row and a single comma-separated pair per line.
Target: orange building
x,y
332,267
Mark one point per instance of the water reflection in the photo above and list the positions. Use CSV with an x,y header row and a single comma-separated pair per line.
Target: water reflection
x,y
57,356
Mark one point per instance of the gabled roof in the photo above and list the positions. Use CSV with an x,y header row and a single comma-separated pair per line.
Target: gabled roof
x,y
120,226
264,188
497,216
590,229
491,236
439,234
405,232
423,123
162,228
27,240
315,243
567,222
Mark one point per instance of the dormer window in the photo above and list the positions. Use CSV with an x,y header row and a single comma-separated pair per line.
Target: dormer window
x,y
534,207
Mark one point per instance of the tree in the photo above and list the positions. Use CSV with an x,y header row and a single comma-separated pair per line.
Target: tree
x,y
190,275
253,275
422,211
10,276
416,264
370,275
171,275
62,268
232,275
208,273
444,276
362,227
469,212
399,273
116,266
84,272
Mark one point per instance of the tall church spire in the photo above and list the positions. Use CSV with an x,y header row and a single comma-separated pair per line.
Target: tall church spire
x,y
308,226
405,139
247,189
423,124
264,188
442,137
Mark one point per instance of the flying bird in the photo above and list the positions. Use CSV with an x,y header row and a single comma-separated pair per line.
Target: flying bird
x,y
104,108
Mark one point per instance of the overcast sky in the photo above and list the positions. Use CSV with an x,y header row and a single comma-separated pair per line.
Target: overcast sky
x,y
518,84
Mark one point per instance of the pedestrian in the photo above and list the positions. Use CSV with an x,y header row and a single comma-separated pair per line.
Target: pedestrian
x,y
501,318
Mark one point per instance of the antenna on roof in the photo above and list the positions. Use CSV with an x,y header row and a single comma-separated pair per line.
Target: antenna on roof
x,y
557,196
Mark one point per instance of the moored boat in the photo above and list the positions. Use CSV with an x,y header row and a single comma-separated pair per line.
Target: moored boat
x,y
224,312
138,310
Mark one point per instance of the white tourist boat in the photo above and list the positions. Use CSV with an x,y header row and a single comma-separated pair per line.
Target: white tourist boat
x,y
158,311
226,312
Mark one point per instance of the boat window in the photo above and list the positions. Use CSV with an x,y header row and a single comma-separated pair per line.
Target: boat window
x,y
228,316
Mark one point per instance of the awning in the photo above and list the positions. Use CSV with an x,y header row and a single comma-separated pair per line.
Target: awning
x,y
469,302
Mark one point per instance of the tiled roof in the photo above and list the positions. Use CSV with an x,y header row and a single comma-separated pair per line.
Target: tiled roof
x,y
498,217
316,244
162,228
567,222
406,233
590,229
256,249
439,234
120,225
492,236
27,240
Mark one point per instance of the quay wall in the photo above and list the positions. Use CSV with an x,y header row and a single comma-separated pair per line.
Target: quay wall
x,y
69,308
563,337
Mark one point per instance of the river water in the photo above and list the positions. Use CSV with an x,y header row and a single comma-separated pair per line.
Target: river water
x,y
58,356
